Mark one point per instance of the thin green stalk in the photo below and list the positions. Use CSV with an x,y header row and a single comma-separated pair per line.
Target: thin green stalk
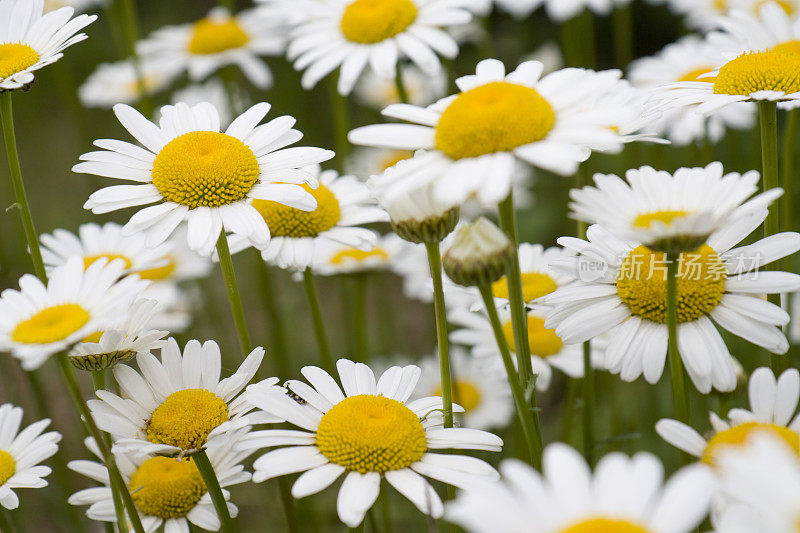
x,y
287,501
788,171
316,318
386,512
230,5
622,21
578,40
130,29
360,331
99,380
5,523
679,393
341,123
435,263
358,529
587,415
402,93
228,525
527,416
235,299
7,116
569,410
280,346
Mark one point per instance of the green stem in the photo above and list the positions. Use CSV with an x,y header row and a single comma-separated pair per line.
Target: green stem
x,y
230,5
358,529
569,410
7,116
234,298
578,40
587,415
402,93
360,331
386,512
99,380
130,29
215,491
527,416
287,501
316,317
5,523
276,320
788,171
623,35
679,393
435,263
341,123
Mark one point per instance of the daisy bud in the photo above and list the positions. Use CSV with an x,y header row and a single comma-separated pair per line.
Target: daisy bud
x,y
431,229
479,254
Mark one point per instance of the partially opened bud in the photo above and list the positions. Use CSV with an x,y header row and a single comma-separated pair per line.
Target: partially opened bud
x,y
479,254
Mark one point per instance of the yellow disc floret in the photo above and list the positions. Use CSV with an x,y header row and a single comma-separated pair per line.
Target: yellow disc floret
x,y
759,71
166,487
373,21
159,273
605,525
354,255
51,324
741,434
7,466
543,342
465,394
186,417
694,75
642,283
534,285
791,47
205,168
371,434
285,221
89,259
646,220
16,57
211,36
496,117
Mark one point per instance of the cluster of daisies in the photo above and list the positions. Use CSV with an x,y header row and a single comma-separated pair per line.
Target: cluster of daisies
x,y
664,264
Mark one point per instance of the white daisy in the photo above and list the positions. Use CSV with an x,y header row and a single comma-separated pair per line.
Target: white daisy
x,y
352,34
31,39
213,91
343,204
222,39
40,320
197,174
175,305
705,14
119,83
367,434
622,290
475,137
176,405
623,495
562,10
166,491
335,258
422,89
20,454
664,211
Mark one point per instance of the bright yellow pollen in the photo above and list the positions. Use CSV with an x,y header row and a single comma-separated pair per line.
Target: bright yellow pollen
x,y
51,324
642,283
605,525
94,337
739,435
496,117
543,342
186,417
759,71
395,157
7,466
694,75
16,57
373,21
159,273
216,36
166,487
285,221
358,256
465,394
371,434
89,259
534,285
205,168
646,220
790,47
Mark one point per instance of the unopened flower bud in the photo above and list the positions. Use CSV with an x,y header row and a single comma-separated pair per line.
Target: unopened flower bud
x,y
479,254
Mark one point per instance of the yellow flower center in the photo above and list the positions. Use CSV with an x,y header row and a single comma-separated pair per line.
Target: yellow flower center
x,y
605,525
371,434
465,394
285,221
186,417
694,75
7,467
740,435
759,71
395,157
646,220
94,337
534,285
543,342
790,47
216,36
642,283
159,273
349,255
496,117
205,168
166,487
89,259
51,324
16,57
373,21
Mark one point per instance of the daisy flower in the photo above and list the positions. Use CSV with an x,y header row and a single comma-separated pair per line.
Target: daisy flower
x,y
352,34
473,138
343,204
31,39
20,454
40,320
167,491
221,39
772,409
665,211
422,89
625,494
119,83
563,10
368,433
620,288
335,258
178,404
195,173
705,14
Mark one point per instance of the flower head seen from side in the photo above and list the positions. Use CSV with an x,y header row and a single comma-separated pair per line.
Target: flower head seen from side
x,y
624,494
21,452
352,35
422,89
167,491
119,83
668,212
336,258
343,204
474,138
177,405
620,288
194,172
40,320
367,433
